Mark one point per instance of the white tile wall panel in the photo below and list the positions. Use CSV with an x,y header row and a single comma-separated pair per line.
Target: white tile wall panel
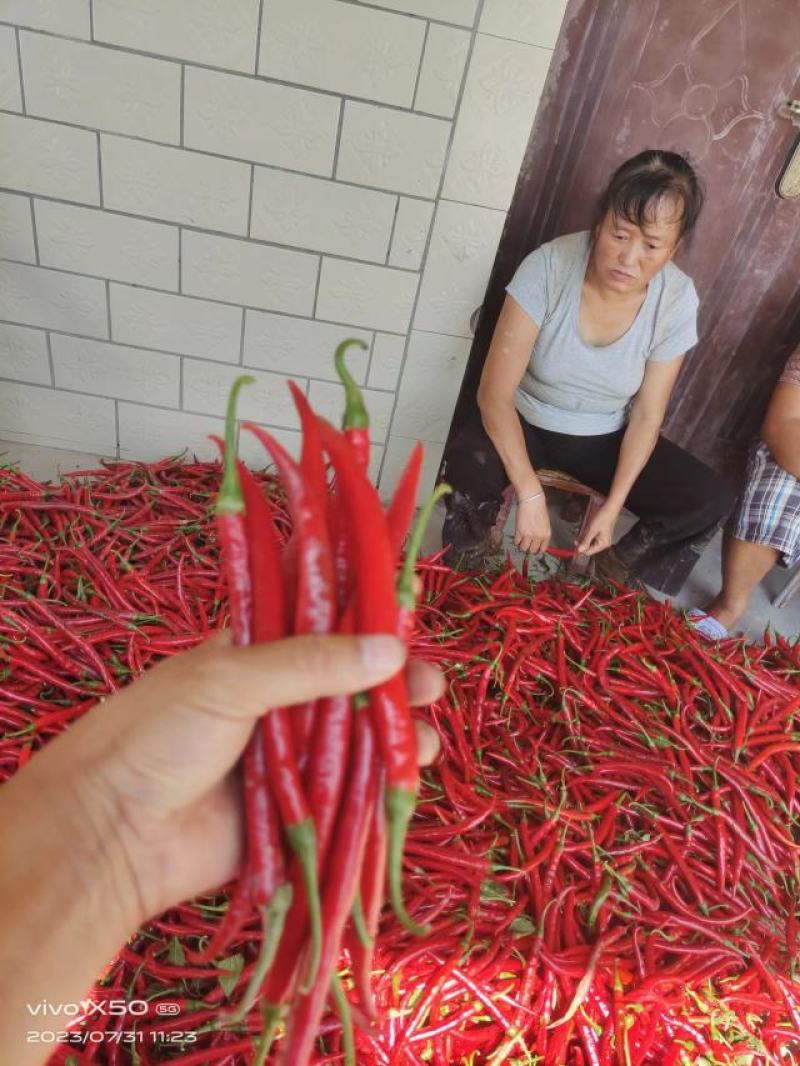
x,y
268,400
202,31
32,296
101,87
392,149
175,185
49,159
369,296
327,216
116,371
118,247
252,451
16,228
60,419
504,82
244,272
461,12
398,449
23,355
411,233
178,324
288,345
342,47
432,376
150,433
10,91
462,250
268,123
70,17
442,71
387,359
530,21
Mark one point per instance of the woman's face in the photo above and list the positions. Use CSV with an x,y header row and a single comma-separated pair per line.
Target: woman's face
x,y
626,257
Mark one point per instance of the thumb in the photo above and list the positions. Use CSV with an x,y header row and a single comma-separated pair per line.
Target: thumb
x,y
286,672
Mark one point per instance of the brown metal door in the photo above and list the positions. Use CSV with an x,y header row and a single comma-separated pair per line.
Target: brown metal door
x,y
707,77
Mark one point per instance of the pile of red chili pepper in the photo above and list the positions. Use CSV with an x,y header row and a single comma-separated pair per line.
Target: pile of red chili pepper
x,y
605,852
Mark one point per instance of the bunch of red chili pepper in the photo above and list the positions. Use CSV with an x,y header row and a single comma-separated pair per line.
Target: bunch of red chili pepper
x,y
326,785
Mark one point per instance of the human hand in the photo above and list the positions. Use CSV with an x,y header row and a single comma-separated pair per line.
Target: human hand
x,y
532,530
600,534
158,760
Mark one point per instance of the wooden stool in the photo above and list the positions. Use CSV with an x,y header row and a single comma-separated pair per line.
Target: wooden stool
x,y
557,479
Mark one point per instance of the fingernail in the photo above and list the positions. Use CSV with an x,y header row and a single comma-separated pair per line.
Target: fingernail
x,y
381,653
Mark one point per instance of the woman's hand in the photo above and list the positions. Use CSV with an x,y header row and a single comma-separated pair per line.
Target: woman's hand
x,y
159,758
532,532
600,534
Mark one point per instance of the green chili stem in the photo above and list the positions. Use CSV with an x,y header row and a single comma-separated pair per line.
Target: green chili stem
x,y
405,583
230,499
303,841
355,412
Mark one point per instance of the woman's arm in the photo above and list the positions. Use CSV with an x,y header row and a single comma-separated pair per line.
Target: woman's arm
x,y
781,429
509,354
645,421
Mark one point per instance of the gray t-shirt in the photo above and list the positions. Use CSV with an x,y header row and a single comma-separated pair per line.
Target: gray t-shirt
x,y
573,387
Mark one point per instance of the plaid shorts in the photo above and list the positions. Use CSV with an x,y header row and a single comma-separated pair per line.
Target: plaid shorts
x,y
768,511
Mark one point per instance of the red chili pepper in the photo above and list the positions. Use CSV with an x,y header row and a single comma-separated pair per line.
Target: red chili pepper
x,y
230,515
270,891
377,611
312,468
341,883
315,610
361,941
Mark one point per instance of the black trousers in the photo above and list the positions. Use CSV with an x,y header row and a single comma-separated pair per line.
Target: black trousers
x,y
679,501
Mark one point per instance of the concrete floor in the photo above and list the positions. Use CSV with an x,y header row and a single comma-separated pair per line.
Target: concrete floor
x,y
48,463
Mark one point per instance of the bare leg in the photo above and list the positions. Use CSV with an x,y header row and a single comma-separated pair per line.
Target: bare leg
x,y
743,566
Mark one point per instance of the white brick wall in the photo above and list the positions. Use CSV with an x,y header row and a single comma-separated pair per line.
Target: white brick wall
x,y
16,228
89,241
191,187
327,216
87,86
10,85
243,272
260,120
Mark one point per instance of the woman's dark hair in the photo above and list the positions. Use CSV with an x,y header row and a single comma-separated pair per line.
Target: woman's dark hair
x,y
641,182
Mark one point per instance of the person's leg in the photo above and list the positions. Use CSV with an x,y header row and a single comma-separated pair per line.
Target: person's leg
x,y
680,503
744,565
475,508
593,461
764,530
